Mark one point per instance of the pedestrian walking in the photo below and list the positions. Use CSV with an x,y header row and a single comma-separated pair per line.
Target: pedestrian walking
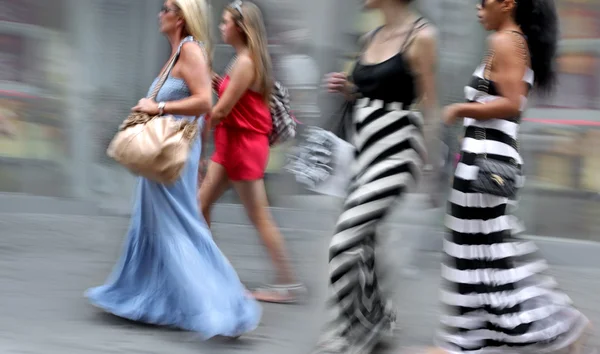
x,y
171,273
496,298
395,70
243,122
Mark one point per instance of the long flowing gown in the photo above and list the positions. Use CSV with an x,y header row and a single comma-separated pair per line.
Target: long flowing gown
x,y
497,298
171,273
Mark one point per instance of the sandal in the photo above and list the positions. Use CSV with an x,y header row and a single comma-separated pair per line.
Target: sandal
x,y
332,346
279,294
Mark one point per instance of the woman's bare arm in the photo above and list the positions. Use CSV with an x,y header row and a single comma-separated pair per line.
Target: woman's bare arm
x,y
425,52
196,74
240,80
509,69
425,67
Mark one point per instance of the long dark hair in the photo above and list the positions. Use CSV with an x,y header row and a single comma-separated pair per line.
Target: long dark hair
x,y
539,22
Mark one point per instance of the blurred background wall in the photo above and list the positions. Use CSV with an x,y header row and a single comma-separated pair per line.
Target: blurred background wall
x,y
71,69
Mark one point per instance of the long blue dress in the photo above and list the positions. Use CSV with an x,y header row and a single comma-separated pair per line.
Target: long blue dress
x,y
171,272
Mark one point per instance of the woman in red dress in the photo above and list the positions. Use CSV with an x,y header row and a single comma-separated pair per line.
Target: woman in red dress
x,y
242,122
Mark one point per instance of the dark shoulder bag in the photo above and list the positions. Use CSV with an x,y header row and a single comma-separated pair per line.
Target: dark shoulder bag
x,y
495,177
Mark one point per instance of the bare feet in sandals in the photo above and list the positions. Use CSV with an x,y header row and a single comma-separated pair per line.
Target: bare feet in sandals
x,y
279,294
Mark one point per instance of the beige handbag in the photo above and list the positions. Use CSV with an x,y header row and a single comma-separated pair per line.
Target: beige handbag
x,y
155,147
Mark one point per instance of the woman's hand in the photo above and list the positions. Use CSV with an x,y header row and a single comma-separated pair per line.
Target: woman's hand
x,y
146,105
336,83
452,113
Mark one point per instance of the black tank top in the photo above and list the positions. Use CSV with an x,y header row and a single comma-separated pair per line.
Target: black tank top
x,y
392,80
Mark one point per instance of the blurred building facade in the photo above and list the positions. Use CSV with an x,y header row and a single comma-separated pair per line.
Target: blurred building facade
x,y
70,72
32,100
71,69
559,133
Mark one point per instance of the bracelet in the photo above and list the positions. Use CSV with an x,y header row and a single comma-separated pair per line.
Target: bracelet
x,y
161,108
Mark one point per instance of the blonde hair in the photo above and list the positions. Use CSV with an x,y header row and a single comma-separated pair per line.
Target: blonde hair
x,y
195,13
252,24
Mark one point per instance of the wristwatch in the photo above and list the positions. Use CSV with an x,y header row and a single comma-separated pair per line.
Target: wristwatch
x,y
161,108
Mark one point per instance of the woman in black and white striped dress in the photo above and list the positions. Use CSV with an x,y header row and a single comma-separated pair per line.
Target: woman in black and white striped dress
x,y
396,67
497,300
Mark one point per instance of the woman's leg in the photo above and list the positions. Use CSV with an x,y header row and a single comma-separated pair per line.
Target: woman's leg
x,y
362,313
254,198
213,186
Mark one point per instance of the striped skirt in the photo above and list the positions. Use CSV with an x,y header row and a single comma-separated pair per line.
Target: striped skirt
x,y
388,159
497,299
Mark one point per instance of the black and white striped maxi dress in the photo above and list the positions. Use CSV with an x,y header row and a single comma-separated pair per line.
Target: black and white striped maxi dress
x,y
497,299
388,159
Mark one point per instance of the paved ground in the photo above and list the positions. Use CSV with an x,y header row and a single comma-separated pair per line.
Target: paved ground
x,y
46,262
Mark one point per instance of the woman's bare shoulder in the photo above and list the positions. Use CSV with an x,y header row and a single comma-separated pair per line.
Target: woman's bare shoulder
x,y
500,41
243,62
193,53
428,34
425,46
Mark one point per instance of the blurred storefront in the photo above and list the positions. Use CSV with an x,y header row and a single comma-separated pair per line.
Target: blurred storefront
x,y
69,71
560,133
32,101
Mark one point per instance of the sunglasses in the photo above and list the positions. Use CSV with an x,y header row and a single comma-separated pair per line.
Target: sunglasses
x,y
165,9
237,5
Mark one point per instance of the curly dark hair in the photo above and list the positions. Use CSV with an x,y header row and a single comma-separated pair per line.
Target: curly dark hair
x,y
539,22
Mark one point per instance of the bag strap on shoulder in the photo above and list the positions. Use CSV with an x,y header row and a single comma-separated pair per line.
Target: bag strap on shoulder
x,y
167,71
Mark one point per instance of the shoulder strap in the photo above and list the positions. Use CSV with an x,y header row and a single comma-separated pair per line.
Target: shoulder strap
x,y
192,39
230,65
419,24
364,42
489,59
368,37
184,41
522,51
165,74
521,42
163,77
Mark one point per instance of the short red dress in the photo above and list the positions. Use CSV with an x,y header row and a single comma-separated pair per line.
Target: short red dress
x,y
242,138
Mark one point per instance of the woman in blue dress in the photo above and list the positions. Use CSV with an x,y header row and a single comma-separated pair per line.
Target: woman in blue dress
x,y
171,273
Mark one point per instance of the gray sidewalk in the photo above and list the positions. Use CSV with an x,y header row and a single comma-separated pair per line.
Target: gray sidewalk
x,y
46,262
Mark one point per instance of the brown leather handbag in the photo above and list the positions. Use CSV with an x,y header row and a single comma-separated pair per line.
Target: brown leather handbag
x,y
154,147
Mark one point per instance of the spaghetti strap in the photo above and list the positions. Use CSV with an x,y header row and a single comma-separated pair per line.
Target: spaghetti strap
x,y
184,41
521,42
192,39
368,38
417,26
